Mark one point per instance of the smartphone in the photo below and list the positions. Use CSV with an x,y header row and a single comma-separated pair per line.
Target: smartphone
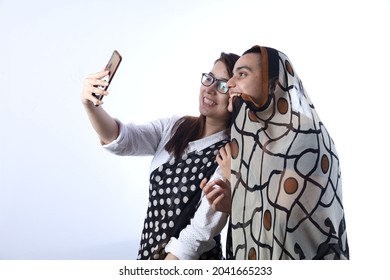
x,y
111,66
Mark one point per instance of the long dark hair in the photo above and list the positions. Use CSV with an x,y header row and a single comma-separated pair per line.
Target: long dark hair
x,y
189,128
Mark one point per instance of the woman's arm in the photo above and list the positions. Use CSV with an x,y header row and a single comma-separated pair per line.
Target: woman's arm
x,y
105,126
197,237
211,216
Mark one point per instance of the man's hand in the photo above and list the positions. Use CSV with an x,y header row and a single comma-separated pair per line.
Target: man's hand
x,y
218,194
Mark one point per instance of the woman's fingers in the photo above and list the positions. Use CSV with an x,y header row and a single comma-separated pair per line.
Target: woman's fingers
x,y
94,87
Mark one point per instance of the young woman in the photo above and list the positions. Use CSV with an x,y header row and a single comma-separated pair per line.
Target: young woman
x,y
178,221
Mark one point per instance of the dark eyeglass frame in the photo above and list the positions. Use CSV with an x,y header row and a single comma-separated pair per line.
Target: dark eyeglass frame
x,y
224,89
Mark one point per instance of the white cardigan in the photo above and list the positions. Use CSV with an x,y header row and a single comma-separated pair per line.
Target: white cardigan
x,y
150,139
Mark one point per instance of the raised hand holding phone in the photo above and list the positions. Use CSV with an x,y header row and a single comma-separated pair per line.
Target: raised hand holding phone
x,y
111,67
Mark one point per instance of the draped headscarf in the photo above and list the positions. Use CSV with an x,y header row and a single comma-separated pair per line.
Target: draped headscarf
x,y
286,179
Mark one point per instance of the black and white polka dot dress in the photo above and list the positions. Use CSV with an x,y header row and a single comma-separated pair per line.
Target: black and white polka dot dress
x,y
174,195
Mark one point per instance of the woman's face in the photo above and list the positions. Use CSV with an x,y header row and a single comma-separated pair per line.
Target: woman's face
x,y
212,103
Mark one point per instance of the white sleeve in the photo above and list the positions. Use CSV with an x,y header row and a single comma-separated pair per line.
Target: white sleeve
x,y
141,139
197,237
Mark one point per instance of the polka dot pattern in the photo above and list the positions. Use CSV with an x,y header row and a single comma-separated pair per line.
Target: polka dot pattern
x,y
282,106
234,148
174,194
291,185
324,164
252,254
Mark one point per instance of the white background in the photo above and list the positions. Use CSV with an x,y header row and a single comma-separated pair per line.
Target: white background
x,y
63,197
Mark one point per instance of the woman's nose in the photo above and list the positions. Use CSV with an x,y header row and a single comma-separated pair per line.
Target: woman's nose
x,y
212,89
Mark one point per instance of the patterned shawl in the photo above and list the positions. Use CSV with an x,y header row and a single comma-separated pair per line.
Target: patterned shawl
x,y
286,179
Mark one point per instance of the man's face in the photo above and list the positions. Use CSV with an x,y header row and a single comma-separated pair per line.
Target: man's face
x,y
246,78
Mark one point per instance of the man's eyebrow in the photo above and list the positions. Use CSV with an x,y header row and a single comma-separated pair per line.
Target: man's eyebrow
x,y
243,67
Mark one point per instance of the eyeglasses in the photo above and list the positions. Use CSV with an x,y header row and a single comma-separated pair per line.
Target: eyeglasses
x,y
208,80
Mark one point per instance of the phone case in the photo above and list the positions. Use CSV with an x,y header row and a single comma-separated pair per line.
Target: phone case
x,y
111,66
